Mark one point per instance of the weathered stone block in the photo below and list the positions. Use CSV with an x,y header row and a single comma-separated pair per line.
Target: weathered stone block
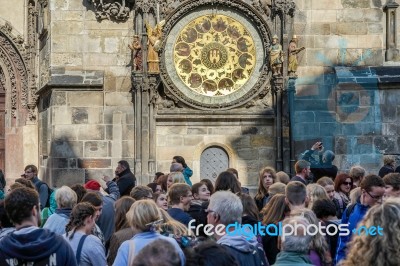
x,y
67,177
61,115
70,27
93,149
128,132
323,16
306,129
128,149
329,129
192,140
373,15
91,132
66,149
266,154
261,141
196,131
97,174
224,131
58,98
388,113
99,59
350,15
79,116
363,145
352,28
111,45
241,142
94,163
118,99
386,144
174,140
325,4
306,116
375,28
250,131
370,41
91,44
356,3
85,98
61,132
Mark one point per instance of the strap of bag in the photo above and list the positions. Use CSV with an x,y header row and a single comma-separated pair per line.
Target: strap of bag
x,y
79,250
131,252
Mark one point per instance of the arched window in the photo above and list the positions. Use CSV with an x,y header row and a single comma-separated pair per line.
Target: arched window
x,y
213,161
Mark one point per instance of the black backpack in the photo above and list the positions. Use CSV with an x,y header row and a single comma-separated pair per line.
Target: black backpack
x,y
49,191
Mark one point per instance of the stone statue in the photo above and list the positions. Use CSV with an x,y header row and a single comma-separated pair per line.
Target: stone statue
x,y
276,56
293,51
137,59
153,46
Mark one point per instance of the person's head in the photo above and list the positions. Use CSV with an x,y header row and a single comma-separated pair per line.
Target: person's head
x,y
233,171
121,207
141,192
82,216
157,175
277,188
209,185
324,209
122,166
180,195
200,191
275,39
66,198
249,206
176,167
357,173
156,188
177,177
266,177
296,194
22,205
343,183
282,177
30,171
158,252
227,181
161,200
179,159
25,182
392,185
169,180
4,220
275,210
96,200
224,208
389,160
354,195
380,248
162,181
314,192
143,214
298,241
328,156
302,168
92,186
372,190
209,253
329,186
79,190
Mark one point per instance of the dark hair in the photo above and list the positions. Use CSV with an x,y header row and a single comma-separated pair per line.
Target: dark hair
x,y
158,252
227,181
249,206
93,198
274,211
157,175
141,192
196,187
392,179
77,217
19,204
122,206
340,179
371,181
209,253
4,220
162,181
176,191
233,171
324,208
27,183
153,186
300,165
32,167
181,160
124,164
80,191
209,185
296,193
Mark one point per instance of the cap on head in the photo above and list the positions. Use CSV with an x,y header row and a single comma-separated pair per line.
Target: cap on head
x,y
92,185
275,37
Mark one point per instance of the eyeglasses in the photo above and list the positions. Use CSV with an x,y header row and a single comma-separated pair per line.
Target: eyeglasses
x,y
209,211
347,183
374,197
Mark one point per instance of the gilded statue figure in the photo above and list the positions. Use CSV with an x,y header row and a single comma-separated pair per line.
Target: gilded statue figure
x,y
137,59
276,56
293,51
153,46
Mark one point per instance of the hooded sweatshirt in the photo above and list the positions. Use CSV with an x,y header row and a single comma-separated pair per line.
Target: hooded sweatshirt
x,y
37,246
247,252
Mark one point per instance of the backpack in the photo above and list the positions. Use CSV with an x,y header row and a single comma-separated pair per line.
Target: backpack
x,y
49,191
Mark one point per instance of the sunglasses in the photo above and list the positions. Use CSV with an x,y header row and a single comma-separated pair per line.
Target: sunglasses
x,y
347,183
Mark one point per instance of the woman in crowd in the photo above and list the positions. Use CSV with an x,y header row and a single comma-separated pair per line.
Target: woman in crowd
x,y
274,212
343,185
329,186
389,164
201,194
156,188
123,231
266,178
227,181
320,254
315,192
165,181
80,191
66,199
161,200
209,185
95,199
47,211
143,217
88,249
378,249
187,172
250,212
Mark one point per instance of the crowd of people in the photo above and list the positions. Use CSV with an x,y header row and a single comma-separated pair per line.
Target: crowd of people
x,y
170,221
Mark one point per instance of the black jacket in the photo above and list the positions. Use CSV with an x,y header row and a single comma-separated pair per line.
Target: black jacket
x,y
126,181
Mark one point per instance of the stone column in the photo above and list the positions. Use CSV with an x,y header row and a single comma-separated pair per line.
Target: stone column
x,y
391,53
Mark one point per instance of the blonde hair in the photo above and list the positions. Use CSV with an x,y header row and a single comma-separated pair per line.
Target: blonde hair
x,y
169,224
142,214
354,195
315,192
277,188
379,250
388,159
282,177
177,177
66,197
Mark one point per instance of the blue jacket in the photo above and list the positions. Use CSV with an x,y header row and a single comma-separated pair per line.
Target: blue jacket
x,y
37,246
106,219
187,173
355,217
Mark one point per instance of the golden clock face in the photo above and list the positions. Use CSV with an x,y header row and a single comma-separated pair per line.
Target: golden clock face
x,y
214,55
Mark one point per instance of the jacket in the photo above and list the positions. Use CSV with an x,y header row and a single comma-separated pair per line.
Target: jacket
x,y
58,220
246,252
35,245
106,219
354,218
289,258
126,181
187,173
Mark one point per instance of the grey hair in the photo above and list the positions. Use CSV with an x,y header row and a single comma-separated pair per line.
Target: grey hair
x,y
228,206
176,167
177,177
300,241
66,197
